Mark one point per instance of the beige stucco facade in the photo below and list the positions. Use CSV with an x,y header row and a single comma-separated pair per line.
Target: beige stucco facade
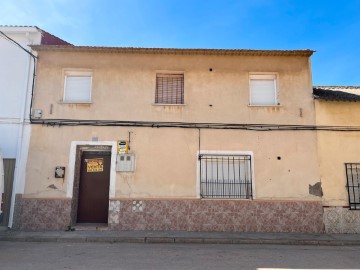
x,y
124,88
216,87
336,148
166,160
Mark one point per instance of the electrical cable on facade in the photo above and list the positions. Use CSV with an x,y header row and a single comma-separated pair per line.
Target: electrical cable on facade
x,y
252,127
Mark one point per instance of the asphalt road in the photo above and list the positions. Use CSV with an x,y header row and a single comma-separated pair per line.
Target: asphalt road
x,y
30,255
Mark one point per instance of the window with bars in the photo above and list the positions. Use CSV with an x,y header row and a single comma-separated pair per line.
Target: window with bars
x,y
225,176
353,184
169,88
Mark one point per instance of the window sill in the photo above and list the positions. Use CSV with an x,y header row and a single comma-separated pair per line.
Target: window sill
x,y
226,199
75,102
276,106
165,104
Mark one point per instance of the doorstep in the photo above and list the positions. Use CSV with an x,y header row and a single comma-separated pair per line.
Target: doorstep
x,y
89,227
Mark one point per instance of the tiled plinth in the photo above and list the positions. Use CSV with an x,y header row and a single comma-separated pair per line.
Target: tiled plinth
x,y
41,214
341,220
216,215
181,215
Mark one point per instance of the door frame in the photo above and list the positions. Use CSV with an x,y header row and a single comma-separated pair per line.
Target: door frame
x,y
75,145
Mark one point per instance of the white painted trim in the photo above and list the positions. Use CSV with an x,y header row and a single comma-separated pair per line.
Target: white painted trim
x,y
167,71
217,152
75,102
198,174
72,160
275,106
23,141
167,104
18,29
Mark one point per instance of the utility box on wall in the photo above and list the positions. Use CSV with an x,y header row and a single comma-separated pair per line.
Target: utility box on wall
x,y
125,163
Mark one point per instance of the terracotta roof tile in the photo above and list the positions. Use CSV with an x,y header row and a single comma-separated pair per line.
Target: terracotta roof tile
x,y
337,93
50,39
46,37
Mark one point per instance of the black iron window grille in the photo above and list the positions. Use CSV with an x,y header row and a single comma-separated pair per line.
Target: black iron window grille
x,y
225,176
353,184
169,89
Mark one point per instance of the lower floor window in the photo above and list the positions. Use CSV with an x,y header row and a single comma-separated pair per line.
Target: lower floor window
x,y
353,184
225,176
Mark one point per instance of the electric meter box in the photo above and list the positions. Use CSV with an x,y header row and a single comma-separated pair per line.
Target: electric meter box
x,y
125,163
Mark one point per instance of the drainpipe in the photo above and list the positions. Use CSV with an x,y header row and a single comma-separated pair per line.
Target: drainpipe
x,y
18,184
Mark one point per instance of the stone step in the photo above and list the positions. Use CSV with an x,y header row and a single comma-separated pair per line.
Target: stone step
x,y
91,227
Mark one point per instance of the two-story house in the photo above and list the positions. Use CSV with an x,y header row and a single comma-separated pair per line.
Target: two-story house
x,y
172,139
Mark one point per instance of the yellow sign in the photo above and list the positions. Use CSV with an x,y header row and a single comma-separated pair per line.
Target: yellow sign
x,y
123,147
95,165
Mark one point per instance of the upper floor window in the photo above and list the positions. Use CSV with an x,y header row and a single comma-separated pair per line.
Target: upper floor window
x,y
263,89
77,86
169,88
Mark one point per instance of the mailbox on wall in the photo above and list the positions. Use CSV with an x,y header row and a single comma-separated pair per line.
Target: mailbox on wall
x,y
122,147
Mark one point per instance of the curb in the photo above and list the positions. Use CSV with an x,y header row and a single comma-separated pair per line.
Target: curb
x,y
177,240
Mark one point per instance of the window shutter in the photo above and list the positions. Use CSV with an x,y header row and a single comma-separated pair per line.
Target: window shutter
x,y
169,89
263,90
77,89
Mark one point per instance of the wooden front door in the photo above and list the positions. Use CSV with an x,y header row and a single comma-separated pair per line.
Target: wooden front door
x,y
93,203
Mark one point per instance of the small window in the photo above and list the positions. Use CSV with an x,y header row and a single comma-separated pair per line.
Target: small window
x,y
225,176
263,89
169,89
77,87
353,184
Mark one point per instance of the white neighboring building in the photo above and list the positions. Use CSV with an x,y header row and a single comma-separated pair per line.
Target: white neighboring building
x,y
1,184
16,79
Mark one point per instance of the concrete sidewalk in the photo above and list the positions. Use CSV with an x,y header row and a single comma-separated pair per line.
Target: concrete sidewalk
x,y
180,237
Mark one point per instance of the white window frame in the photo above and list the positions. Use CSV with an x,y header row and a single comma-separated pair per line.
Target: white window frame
x,y
169,72
265,76
77,73
230,153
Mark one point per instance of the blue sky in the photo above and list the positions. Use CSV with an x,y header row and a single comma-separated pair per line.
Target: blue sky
x,y
331,27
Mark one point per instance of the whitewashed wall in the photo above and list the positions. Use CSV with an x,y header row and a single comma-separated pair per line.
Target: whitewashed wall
x,y
16,72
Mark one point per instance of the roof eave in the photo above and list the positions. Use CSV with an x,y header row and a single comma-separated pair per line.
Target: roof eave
x,y
18,29
336,100
306,53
